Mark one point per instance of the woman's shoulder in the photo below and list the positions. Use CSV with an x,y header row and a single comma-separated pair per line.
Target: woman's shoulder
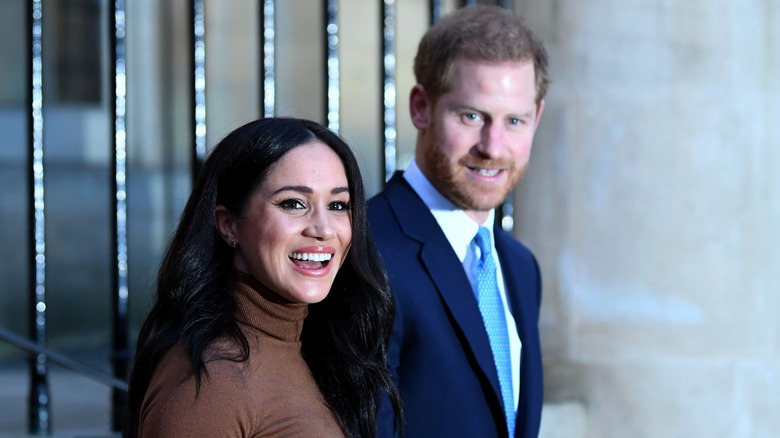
x,y
269,392
175,373
174,401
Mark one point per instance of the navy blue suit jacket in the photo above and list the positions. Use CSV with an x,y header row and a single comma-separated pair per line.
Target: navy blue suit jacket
x,y
439,352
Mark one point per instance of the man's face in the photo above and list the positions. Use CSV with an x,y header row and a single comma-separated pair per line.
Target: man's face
x,y
475,140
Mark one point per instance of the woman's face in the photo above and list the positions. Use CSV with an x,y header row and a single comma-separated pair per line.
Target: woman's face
x,y
297,228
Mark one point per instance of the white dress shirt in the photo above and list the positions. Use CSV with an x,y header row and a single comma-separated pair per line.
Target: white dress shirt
x,y
460,230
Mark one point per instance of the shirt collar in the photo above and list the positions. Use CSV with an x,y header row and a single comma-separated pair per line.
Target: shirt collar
x,y
457,226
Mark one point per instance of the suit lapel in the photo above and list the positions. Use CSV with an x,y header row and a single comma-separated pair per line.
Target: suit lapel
x,y
520,295
445,271
455,291
512,284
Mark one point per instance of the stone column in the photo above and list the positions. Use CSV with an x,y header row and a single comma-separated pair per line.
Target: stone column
x,y
652,201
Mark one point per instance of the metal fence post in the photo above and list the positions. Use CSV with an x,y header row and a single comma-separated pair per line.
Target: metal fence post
x,y
39,419
120,356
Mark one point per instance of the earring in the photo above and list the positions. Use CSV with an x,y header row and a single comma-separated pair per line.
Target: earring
x,y
233,243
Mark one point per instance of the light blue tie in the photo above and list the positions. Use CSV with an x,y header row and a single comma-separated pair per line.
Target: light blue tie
x,y
492,310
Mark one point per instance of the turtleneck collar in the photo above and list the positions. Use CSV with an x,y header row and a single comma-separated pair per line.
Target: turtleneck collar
x,y
266,311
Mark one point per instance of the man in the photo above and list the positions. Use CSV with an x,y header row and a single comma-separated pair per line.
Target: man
x,y
465,345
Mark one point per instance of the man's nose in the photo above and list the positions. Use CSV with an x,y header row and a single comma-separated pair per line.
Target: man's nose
x,y
491,140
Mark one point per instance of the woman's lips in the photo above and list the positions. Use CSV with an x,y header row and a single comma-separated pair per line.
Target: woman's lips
x,y
312,260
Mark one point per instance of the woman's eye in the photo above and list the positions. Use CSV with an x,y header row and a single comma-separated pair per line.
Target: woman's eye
x,y
338,206
292,204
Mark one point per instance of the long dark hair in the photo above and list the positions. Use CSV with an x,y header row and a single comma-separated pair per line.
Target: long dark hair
x,y
345,336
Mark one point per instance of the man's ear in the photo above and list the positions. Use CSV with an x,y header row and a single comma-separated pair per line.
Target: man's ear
x,y
419,107
226,225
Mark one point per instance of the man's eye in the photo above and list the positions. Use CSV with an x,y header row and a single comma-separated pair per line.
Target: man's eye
x,y
291,204
518,121
338,206
471,116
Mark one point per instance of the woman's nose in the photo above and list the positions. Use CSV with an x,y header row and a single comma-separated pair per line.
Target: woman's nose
x,y
319,226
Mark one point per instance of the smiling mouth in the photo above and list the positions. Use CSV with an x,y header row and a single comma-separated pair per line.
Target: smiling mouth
x,y
485,172
310,260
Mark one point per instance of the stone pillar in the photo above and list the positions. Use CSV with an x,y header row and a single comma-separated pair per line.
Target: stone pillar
x,y
652,201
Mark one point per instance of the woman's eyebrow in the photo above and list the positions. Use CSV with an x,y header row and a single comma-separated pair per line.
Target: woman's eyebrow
x,y
309,190
300,189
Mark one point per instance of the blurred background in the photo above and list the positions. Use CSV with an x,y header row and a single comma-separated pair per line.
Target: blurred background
x,y
651,201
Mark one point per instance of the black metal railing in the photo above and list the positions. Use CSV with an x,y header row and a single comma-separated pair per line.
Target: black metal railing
x,y
61,359
120,352
38,413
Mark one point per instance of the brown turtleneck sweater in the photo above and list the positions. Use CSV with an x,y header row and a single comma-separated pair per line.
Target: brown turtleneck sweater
x,y
271,394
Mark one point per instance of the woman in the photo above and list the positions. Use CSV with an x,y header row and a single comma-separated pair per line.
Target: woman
x,y
275,231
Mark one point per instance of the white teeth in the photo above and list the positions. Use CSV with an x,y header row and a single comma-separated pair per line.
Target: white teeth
x,y
487,172
310,256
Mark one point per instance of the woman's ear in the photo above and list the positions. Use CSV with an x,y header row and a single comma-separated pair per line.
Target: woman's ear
x,y
226,225
419,107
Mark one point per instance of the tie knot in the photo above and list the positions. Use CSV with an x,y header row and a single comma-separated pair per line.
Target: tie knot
x,y
482,240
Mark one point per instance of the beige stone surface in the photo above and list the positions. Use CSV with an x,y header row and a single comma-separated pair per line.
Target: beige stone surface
x,y
563,420
232,67
757,400
652,202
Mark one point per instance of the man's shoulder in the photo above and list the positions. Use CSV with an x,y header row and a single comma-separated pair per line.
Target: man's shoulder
x,y
395,203
379,208
399,220
377,201
382,219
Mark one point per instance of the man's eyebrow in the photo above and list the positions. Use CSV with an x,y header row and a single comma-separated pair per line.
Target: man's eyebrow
x,y
475,109
525,114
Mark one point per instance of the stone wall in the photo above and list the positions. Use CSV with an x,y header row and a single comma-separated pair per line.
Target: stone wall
x,y
652,201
